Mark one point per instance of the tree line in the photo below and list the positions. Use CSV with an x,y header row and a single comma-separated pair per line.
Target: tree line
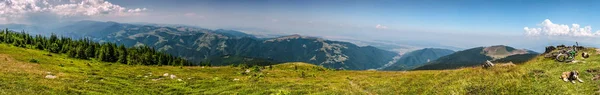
x,y
87,49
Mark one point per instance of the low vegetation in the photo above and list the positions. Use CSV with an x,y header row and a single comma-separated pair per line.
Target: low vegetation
x,y
60,74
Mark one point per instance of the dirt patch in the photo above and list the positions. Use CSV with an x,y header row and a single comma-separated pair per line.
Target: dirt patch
x,y
9,64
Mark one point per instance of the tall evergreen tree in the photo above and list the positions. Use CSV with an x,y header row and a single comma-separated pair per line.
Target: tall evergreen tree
x,y
122,54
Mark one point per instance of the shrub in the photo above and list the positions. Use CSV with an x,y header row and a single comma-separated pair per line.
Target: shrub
x,y
34,60
255,69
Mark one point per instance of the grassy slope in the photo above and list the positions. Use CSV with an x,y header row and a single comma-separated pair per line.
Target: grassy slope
x,y
19,76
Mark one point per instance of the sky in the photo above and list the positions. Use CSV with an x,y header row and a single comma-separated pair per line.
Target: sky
x,y
527,24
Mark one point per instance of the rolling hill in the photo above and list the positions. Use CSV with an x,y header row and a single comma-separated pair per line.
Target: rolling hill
x,y
476,56
416,58
74,76
198,44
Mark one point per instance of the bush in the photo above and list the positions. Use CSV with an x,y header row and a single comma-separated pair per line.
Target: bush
x,y
34,61
255,69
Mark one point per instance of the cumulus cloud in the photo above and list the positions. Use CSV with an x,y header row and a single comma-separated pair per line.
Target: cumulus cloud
x,y
20,9
547,28
379,26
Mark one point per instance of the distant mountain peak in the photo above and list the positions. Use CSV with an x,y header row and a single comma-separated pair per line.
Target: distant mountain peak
x,y
478,55
502,51
293,37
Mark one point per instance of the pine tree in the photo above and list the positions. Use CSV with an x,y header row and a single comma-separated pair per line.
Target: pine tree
x,y
122,54
85,49
54,48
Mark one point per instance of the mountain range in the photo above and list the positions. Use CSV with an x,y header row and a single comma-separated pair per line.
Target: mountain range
x,y
417,58
226,47
477,56
198,44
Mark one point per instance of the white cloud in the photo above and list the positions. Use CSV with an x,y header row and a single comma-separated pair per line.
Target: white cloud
x,y
189,14
19,9
379,26
548,28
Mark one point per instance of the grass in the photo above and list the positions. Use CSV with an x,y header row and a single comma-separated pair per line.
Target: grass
x,y
20,76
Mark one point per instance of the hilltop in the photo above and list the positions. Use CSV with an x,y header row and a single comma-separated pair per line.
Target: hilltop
x,y
73,76
477,56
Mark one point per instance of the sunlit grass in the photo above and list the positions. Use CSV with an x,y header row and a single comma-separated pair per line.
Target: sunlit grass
x,y
18,75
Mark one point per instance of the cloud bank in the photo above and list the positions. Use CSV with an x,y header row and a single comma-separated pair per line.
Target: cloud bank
x,y
21,10
379,26
547,28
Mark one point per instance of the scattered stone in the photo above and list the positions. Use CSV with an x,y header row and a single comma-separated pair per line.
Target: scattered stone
x,y
236,79
145,76
166,74
202,66
50,77
173,76
49,73
247,71
87,80
488,64
596,77
179,80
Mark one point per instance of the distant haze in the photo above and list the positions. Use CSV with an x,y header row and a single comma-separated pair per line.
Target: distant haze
x,y
407,23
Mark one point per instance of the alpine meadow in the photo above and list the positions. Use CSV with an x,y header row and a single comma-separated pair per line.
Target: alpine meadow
x,y
298,47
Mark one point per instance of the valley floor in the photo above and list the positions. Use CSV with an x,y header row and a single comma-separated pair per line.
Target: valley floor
x,y
19,74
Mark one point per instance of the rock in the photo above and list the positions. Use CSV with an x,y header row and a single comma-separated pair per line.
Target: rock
x,y
549,49
50,77
179,80
166,74
236,79
173,76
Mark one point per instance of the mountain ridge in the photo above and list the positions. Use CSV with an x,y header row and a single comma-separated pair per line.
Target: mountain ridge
x,y
478,55
198,44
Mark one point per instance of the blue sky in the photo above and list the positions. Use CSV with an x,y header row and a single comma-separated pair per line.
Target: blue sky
x,y
454,16
458,23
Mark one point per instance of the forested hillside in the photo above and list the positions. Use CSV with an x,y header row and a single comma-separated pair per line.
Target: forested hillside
x,y
203,45
87,49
